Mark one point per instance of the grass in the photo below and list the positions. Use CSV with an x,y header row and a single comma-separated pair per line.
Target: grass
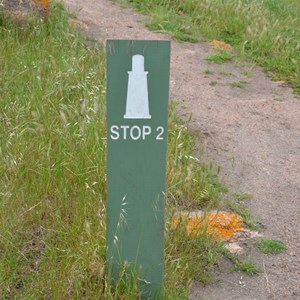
x,y
188,257
225,73
278,99
191,182
263,31
208,72
267,246
242,196
248,267
238,84
241,210
220,57
53,174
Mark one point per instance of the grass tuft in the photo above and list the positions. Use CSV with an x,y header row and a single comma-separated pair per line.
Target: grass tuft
x,y
248,267
270,246
213,83
238,84
241,210
208,72
220,57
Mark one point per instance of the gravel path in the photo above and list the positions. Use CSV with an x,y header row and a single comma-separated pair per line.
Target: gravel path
x,y
253,133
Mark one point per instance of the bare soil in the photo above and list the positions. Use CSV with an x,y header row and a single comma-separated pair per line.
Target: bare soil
x,y
252,132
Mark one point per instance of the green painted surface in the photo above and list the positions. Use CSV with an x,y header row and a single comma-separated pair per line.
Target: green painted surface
x,y
136,159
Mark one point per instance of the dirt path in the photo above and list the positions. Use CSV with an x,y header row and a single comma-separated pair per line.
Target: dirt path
x,y
253,133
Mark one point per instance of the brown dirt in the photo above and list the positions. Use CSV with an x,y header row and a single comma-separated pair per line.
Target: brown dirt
x,y
253,133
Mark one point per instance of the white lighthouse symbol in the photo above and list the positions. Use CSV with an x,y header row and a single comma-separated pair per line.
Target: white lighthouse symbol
x,y
137,103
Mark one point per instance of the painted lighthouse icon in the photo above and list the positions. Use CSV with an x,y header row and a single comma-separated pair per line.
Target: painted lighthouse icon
x,y
137,103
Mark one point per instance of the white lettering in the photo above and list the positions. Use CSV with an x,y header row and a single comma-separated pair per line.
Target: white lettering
x,y
135,132
146,131
125,127
114,130
138,130
160,132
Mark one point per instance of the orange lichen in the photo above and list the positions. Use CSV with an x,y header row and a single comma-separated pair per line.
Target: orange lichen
x,y
44,3
219,224
221,45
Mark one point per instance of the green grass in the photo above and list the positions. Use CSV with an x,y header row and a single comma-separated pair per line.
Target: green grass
x,y
191,181
213,83
220,57
242,196
264,31
238,84
188,258
270,246
53,174
248,267
242,210
225,73
208,72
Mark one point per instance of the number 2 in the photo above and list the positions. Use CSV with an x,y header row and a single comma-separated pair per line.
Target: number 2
x,y
160,132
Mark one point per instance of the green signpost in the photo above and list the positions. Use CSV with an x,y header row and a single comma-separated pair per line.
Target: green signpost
x,y
137,120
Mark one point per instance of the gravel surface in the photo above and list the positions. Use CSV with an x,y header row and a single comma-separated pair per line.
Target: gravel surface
x,y
253,133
